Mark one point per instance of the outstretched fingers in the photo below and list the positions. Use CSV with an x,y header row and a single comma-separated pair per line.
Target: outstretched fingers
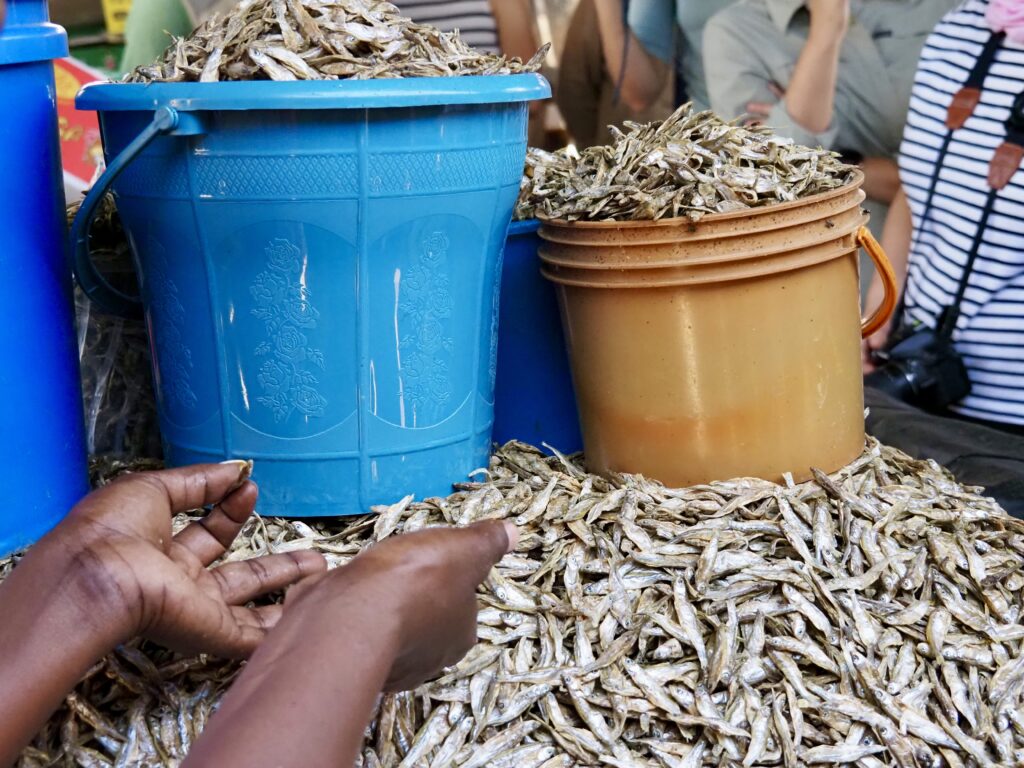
x,y
211,536
245,580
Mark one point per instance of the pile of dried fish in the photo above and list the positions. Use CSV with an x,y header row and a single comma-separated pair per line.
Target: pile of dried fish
x,y
869,617
689,165
320,40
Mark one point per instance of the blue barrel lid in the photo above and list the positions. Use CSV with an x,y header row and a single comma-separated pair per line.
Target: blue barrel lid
x,y
27,34
314,94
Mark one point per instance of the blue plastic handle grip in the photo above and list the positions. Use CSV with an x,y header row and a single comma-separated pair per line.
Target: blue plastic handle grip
x,y
93,284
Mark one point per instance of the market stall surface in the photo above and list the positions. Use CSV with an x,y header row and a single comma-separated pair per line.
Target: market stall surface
x,y
866,617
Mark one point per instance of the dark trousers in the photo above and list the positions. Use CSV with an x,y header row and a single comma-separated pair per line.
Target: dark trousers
x,y
976,454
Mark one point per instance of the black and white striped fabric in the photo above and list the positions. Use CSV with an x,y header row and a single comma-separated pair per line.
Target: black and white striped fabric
x,y
473,19
990,332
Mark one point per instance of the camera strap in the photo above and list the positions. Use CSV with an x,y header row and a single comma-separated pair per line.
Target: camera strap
x,y
1005,162
964,102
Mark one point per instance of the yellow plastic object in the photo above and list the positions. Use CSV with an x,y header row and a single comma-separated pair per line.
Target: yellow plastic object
x,y
115,13
723,348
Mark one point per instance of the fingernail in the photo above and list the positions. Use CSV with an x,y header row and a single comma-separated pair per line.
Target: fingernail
x,y
244,469
513,535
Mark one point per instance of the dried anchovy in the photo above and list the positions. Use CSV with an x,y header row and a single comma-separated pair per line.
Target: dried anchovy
x,y
868,617
320,40
691,164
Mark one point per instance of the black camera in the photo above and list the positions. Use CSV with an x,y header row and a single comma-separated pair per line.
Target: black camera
x,y
922,369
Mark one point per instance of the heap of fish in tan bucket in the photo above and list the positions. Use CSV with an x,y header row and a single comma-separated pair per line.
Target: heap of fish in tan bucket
x,y
870,617
691,164
321,40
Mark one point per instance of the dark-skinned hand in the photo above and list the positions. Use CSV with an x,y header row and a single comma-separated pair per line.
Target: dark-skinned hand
x,y
392,618
428,581
160,586
112,570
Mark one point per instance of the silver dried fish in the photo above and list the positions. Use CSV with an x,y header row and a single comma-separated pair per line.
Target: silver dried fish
x,y
321,39
626,630
691,164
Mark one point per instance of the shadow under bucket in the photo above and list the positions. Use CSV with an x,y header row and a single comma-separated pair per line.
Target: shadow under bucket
x,y
722,348
318,264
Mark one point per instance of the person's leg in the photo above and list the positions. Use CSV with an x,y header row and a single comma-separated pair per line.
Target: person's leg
x,y
976,454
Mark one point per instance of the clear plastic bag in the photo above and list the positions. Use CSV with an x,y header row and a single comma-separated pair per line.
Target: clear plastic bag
x,y
114,356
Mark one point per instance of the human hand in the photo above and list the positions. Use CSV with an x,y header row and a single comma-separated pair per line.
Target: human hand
x,y
394,616
142,580
112,570
422,587
871,345
758,111
878,340
829,19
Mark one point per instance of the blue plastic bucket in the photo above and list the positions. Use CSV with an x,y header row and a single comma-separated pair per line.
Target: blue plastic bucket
x,y
533,398
42,457
319,265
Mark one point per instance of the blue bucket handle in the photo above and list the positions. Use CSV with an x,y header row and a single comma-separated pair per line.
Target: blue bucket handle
x,y
92,283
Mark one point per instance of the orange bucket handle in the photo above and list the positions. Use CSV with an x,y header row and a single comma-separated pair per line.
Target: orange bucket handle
x,y
881,315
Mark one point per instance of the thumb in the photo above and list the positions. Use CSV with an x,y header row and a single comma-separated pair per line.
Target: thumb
x,y
484,544
203,484
192,487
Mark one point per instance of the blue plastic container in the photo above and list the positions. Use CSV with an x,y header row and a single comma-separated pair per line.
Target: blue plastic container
x,y
533,399
43,468
319,265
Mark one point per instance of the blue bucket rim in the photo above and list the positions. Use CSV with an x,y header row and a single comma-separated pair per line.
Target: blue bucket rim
x,y
314,94
520,227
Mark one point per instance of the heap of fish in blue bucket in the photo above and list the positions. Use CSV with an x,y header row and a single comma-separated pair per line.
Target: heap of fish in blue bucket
x,y
329,40
318,194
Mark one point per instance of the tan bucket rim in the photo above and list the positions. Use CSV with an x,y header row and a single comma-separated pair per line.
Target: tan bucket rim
x,y
859,219
684,275
856,182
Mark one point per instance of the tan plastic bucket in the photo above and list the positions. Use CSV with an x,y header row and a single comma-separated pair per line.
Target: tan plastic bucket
x,y
724,348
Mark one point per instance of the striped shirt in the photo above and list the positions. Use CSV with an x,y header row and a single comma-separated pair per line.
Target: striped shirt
x,y
990,330
473,18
